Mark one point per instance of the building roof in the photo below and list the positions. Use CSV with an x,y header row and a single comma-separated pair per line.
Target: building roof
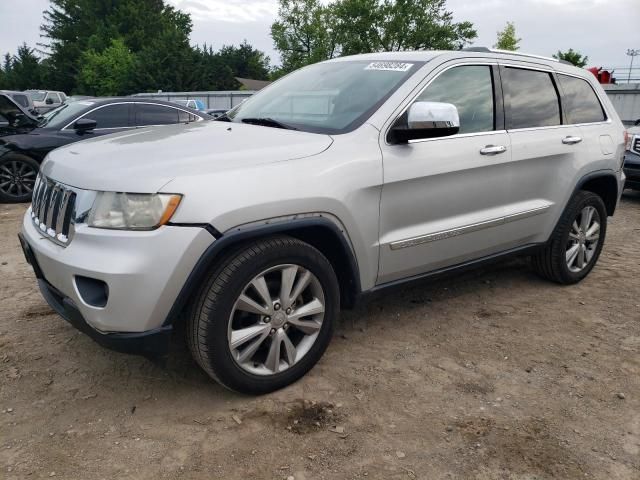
x,y
250,84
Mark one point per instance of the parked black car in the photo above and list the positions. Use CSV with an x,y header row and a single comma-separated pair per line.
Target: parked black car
x,y
25,139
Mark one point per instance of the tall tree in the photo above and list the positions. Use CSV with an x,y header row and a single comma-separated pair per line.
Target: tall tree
x,y
26,70
151,28
245,61
507,39
572,57
304,33
308,31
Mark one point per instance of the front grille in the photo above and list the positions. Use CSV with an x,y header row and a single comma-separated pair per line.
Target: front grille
x,y
53,210
635,146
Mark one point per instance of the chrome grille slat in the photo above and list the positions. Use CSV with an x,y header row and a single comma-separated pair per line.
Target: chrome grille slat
x,y
53,210
64,202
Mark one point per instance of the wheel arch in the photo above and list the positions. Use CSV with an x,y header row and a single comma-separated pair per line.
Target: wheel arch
x,y
318,231
603,183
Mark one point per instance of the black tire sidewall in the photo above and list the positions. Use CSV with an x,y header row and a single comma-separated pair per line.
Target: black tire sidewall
x,y
221,362
584,199
17,158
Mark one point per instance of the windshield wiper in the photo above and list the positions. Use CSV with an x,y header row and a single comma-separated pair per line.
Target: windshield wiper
x,y
222,118
267,122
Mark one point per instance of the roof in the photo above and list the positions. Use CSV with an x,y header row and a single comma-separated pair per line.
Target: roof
x,y
250,84
427,55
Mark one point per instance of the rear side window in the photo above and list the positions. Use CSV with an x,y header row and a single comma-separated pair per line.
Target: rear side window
x,y
581,102
531,99
149,114
111,116
470,89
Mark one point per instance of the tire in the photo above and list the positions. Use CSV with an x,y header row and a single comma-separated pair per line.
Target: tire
x,y
17,178
555,262
218,314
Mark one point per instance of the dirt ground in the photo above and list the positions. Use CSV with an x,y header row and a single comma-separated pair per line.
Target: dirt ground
x,y
494,374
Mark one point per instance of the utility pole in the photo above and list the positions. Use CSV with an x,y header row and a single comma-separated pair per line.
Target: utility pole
x,y
632,53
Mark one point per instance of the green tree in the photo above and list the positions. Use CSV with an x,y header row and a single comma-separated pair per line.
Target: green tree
x,y
572,57
308,31
245,61
5,77
108,72
155,31
507,39
26,70
304,33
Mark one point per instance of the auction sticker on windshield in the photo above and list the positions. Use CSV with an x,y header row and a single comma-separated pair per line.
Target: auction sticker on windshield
x,y
389,66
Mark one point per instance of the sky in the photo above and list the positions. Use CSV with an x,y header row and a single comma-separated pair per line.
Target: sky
x,y
601,29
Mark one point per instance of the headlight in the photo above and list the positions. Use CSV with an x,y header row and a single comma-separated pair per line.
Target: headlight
x,y
132,211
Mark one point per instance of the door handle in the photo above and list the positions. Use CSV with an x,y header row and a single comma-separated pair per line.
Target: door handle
x,y
493,150
571,140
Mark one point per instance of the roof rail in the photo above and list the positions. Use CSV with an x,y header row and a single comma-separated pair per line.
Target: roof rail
x,y
510,52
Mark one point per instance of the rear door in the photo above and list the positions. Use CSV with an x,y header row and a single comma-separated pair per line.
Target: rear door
x,y
546,151
601,138
443,198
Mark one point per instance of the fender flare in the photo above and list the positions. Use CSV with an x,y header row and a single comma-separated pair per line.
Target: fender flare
x,y
236,236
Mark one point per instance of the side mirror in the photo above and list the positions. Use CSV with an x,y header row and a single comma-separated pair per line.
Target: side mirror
x,y
84,125
426,120
49,101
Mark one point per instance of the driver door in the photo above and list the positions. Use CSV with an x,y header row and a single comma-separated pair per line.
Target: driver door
x,y
443,198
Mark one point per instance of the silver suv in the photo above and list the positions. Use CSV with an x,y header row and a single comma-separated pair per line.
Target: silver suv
x,y
339,180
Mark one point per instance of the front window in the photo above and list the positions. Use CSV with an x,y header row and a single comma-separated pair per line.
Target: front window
x,y
470,89
332,98
63,115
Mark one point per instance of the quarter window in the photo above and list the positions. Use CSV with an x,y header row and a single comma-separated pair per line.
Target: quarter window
x,y
531,99
580,101
111,116
186,117
150,114
470,89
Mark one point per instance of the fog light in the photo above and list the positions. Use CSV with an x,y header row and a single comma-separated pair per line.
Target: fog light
x,y
92,291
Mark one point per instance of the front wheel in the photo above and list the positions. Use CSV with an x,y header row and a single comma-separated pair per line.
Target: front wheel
x,y
265,316
577,241
17,178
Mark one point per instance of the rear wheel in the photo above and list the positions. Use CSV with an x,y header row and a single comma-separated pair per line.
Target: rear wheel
x,y
266,315
17,178
576,242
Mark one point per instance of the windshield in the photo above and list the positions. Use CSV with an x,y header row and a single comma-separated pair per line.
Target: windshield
x,y
38,96
332,97
64,114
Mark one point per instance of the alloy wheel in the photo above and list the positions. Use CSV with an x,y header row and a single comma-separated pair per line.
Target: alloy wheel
x,y
276,319
583,239
17,178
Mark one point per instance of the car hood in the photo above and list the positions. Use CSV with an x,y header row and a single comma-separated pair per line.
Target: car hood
x,y
145,159
13,113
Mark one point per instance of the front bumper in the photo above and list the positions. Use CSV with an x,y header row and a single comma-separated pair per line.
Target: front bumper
x,y
143,273
153,343
632,170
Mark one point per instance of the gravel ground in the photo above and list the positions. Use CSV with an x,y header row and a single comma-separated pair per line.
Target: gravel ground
x,y
495,374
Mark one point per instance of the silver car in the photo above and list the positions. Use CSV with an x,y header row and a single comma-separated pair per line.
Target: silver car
x,y
335,182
